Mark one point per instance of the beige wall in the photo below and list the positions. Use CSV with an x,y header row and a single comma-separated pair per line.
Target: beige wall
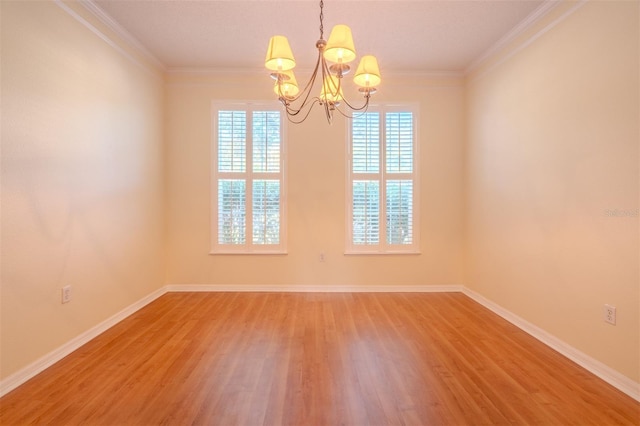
x,y
552,157
82,180
316,191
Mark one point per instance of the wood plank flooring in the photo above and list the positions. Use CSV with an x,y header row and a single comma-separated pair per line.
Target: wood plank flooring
x,y
316,359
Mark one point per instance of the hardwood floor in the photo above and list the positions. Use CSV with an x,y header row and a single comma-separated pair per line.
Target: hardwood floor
x,y
316,359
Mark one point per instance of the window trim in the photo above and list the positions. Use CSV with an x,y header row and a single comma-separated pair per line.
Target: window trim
x,y
249,175
383,248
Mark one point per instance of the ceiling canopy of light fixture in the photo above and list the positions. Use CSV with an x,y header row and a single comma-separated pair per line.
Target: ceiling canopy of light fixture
x,y
334,56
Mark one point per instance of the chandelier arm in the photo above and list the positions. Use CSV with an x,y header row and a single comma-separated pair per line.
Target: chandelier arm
x,y
282,98
292,112
342,113
290,116
359,112
364,107
329,104
328,111
339,85
306,92
325,70
326,74
312,80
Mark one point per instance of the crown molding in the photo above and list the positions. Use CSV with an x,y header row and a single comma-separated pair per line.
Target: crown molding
x,y
535,17
518,30
123,34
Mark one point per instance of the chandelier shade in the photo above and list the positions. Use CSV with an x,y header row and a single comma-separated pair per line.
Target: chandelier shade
x,y
331,90
279,54
288,87
334,57
340,48
368,72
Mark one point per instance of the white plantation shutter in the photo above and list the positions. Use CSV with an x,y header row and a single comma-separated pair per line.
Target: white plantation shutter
x,y
231,211
366,143
365,148
399,163
382,182
232,141
266,212
399,211
248,177
266,162
366,212
399,142
266,141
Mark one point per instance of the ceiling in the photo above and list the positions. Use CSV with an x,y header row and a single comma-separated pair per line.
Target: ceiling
x,y
406,36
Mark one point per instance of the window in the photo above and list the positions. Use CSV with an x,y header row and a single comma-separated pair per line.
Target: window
x,y
248,180
382,182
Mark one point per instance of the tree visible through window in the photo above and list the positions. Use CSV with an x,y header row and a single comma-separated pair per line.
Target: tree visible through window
x,y
382,178
248,177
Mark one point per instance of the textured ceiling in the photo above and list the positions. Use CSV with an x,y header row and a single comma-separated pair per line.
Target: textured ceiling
x,y
406,36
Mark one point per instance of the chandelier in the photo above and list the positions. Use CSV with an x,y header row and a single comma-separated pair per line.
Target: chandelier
x,y
334,56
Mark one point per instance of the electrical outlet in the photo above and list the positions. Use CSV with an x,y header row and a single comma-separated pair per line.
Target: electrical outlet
x,y
66,294
610,314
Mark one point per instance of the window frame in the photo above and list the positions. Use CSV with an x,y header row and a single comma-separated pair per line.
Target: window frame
x,y
249,176
383,247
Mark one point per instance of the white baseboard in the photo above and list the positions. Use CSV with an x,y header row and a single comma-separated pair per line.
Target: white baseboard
x,y
314,288
21,376
606,373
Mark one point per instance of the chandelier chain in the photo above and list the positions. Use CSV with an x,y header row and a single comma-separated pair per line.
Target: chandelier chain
x,y
321,18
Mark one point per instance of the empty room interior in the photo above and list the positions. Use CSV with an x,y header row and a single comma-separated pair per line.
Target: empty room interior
x,y
434,223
